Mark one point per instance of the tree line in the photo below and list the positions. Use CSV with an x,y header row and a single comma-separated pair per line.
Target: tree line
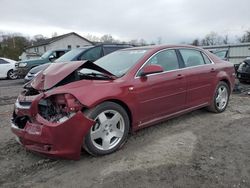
x,y
215,39
12,45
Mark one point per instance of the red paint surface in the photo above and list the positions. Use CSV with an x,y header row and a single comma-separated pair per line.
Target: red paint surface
x,y
152,99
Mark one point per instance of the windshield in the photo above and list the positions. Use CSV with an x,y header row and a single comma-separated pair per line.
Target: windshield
x,y
46,55
69,56
119,62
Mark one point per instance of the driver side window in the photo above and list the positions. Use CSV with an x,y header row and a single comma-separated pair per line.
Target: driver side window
x,y
167,59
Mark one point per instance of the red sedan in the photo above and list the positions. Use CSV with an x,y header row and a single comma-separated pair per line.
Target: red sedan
x,y
94,106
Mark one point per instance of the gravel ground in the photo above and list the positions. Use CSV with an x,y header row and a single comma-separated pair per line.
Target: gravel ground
x,y
199,149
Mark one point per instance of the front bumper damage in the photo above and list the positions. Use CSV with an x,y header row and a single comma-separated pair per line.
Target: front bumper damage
x,y
54,139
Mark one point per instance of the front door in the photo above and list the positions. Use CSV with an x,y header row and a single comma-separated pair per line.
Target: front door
x,y
163,93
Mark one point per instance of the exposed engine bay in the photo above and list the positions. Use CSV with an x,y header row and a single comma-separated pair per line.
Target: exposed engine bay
x,y
59,108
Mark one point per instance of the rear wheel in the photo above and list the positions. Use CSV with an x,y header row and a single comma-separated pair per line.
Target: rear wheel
x,y
220,98
11,75
110,131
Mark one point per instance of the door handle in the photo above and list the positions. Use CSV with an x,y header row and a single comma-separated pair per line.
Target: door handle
x,y
180,76
212,70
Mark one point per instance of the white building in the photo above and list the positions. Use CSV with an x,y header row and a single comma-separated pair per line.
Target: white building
x,y
66,41
235,53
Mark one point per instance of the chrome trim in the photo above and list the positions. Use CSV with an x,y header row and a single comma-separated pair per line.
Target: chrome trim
x,y
137,76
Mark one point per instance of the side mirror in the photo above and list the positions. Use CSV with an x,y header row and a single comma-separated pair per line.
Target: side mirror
x,y
51,57
151,69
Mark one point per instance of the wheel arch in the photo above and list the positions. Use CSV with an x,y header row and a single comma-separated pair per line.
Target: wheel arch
x,y
227,82
126,108
117,101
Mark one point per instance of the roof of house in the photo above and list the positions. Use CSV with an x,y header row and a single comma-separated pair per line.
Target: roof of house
x,y
53,39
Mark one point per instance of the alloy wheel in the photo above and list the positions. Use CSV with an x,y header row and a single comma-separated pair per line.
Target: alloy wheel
x,y
222,97
108,130
12,75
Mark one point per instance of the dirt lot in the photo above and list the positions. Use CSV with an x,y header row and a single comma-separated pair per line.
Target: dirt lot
x,y
199,149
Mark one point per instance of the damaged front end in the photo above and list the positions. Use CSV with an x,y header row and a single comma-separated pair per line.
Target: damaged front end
x,y
59,108
50,123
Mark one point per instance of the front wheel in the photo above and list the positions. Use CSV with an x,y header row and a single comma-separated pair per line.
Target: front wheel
x,y
11,75
110,131
220,98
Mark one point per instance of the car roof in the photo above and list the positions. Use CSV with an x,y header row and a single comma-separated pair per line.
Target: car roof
x,y
114,45
8,60
159,47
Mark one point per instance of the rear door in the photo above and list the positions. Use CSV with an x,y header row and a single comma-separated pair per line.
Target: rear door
x,y
200,73
162,93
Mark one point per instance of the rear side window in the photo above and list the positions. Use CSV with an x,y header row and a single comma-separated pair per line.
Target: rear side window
x,y
167,59
207,61
92,54
192,57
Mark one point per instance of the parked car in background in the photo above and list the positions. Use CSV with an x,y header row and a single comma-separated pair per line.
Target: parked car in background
x,y
7,67
23,67
94,105
243,72
91,53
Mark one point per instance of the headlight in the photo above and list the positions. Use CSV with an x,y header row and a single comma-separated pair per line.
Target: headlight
x,y
22,65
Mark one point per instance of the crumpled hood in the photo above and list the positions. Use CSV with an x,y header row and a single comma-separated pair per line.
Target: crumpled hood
x,y
55,73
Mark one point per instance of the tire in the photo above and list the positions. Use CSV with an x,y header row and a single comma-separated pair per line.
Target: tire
x,y
219,103
11,75
110,131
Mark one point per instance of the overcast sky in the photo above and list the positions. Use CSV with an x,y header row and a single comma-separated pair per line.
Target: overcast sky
x,y
175,21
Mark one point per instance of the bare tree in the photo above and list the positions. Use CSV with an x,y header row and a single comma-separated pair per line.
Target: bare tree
x,y
107,38
195,42
134,42
213,39
245,37
142,42
92,38
226,39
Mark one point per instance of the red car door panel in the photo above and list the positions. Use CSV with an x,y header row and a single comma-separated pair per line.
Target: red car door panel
x,y
199,84
160,94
